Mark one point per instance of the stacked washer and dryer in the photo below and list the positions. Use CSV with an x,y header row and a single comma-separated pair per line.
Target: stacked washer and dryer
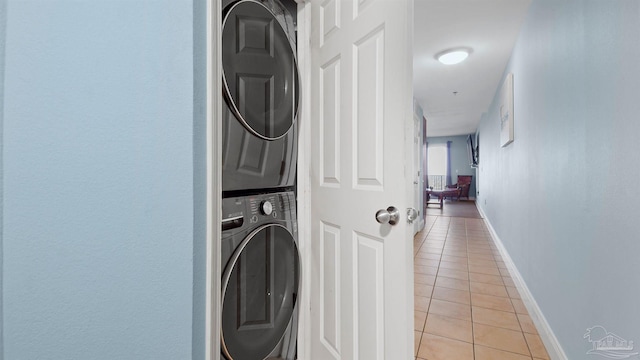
x,y
260,259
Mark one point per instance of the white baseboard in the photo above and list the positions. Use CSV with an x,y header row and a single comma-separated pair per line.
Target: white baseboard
x,y
546,334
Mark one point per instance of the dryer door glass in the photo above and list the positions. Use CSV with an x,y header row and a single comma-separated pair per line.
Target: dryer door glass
x,y
260,74
260,284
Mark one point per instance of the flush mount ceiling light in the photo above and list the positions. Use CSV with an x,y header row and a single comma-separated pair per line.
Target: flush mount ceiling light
x,y
453,56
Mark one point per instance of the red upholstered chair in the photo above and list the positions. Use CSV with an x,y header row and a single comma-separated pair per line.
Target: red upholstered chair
x,y
464,183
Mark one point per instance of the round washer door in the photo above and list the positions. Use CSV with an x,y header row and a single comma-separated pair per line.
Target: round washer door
x,y
260,74
259,286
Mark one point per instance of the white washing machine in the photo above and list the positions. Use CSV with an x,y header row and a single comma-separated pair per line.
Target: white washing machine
x,y
261,277
262,93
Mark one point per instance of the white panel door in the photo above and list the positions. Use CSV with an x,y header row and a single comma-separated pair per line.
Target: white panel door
x,y
361,296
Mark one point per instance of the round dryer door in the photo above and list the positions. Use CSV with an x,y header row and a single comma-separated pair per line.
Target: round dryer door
x,y
260,284
260,73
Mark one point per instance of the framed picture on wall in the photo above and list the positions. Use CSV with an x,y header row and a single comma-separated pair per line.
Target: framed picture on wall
x,y
506,111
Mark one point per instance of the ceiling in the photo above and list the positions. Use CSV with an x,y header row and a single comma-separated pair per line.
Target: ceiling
x,y
454,97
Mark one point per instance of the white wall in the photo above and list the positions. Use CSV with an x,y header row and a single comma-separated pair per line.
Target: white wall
x,y
563,197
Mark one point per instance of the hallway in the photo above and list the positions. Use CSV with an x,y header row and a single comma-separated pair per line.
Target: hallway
x,y
466,304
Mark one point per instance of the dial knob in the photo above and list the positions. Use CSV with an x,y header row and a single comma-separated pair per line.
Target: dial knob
x,y
266,208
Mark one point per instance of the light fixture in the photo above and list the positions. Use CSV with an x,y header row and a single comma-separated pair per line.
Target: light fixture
x,y
453,56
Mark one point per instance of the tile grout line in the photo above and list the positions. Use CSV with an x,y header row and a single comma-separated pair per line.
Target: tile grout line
x,y
432,288
473,337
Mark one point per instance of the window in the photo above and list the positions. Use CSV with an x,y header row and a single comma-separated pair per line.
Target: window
x,y
437,161
437,166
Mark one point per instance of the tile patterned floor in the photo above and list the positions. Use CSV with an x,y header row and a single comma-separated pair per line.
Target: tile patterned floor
x,y
466,304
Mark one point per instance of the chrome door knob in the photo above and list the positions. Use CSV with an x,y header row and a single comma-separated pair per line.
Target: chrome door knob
x,y
412,214
389,216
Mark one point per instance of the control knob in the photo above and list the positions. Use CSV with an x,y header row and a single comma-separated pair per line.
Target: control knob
x,y
266,208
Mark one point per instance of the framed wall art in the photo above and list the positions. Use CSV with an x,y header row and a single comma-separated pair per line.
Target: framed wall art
x,y
506,111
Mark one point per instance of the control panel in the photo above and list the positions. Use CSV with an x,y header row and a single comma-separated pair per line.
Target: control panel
x,y
257,209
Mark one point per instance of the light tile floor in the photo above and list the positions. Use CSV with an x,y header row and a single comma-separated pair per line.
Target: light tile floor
x,y
466,304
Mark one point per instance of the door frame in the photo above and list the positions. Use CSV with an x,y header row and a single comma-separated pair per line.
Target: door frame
x,y
304,182
214,178
418,159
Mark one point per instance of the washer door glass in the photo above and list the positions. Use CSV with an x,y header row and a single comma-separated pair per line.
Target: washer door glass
x,y
260,74
260,284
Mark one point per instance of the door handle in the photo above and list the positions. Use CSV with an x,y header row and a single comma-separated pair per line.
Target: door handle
x,y
412,214
391,216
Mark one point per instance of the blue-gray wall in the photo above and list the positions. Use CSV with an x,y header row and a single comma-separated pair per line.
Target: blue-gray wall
x,y
103,179
459,158
199,179
563,196
3,36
